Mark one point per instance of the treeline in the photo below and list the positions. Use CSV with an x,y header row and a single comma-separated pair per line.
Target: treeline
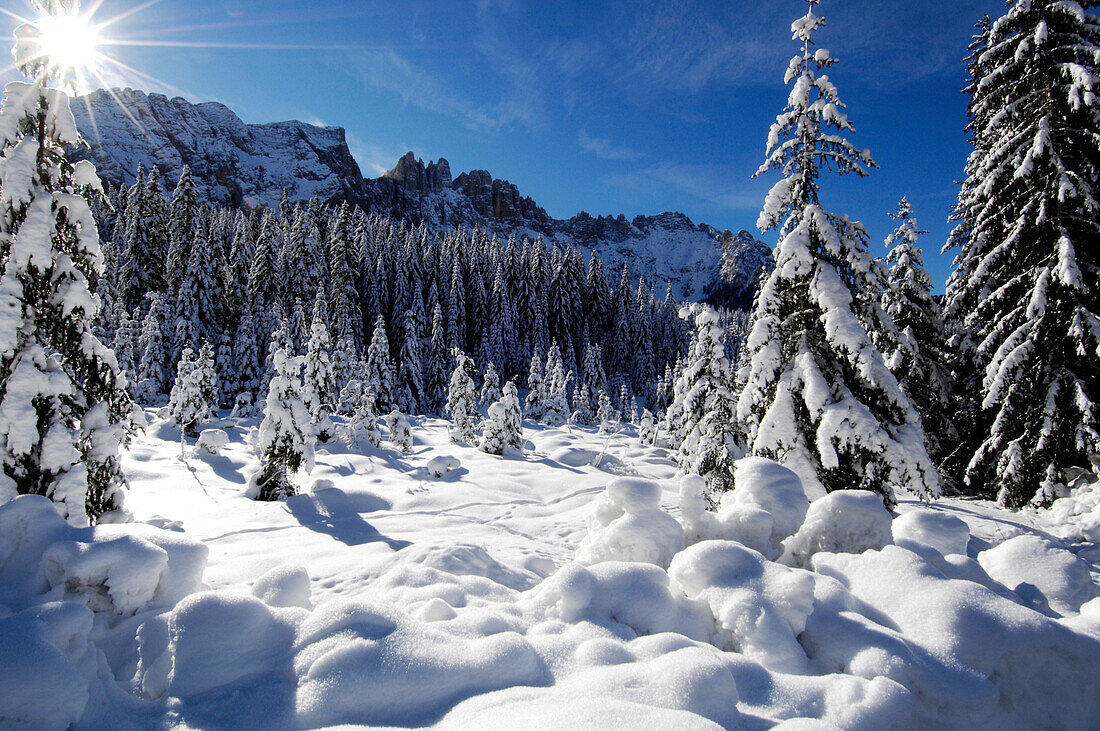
x,y
180,274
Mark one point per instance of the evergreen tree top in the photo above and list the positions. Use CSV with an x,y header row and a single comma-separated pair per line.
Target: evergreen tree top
x,y
806,136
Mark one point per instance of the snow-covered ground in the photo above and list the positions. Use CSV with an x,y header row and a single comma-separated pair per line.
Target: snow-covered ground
x,y
415,590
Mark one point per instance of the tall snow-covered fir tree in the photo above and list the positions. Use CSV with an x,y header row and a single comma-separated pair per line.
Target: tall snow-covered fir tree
x,y
1026,290
462,399
816,393
195,393
379,375
534,405
556,406
64,408
700,421
286,434
921,362
319,381
435,369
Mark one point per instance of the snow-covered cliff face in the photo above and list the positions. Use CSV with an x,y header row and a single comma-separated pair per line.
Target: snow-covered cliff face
x,y
233,163
240,164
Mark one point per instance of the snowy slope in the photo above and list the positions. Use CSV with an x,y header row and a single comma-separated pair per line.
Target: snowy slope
x,y
388,596
246,164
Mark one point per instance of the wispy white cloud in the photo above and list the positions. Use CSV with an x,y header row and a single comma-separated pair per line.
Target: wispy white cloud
x,y
390,72
374,160
710,183
605,149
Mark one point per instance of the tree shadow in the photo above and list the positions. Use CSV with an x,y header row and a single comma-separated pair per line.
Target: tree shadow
x,y
335,513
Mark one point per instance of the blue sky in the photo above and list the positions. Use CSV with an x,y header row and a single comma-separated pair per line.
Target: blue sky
x,y
626,106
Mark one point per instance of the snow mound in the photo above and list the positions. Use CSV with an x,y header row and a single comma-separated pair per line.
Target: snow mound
x,y
119,569
972,657
464,559
767,506
575,456
1076,517
46,662
212,441
759,607
844,521
440,466
923,527
630,599
628,524
284,586
367,664
1041,573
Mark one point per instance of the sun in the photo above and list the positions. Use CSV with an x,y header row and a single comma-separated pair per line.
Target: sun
x,y
69,41
62,43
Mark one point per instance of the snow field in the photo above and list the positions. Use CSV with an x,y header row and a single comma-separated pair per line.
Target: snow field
x,y
576,585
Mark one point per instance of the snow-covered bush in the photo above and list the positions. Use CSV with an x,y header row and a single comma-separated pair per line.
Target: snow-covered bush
x,y
628,524
362,425
845,521
767,507
286,437
243,406
400,431
442,465
494,430
212,441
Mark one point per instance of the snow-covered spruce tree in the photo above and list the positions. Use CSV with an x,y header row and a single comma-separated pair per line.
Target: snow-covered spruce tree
x,y
816,393
400,432
535,403
647,428
410,371
628,408
182,215
921,362
556,411
246,361
513,415
962,294
152,374
1028,297
195,393
502,428
606,414
379,373
700,420
286,434
435,375
64,409
462,400
319,382
362,427
490,386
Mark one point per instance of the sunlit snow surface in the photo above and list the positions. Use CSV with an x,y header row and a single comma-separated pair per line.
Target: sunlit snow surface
x,y
388,595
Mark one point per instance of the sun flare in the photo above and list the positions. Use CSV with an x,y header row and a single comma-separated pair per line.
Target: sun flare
x,y
69,41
